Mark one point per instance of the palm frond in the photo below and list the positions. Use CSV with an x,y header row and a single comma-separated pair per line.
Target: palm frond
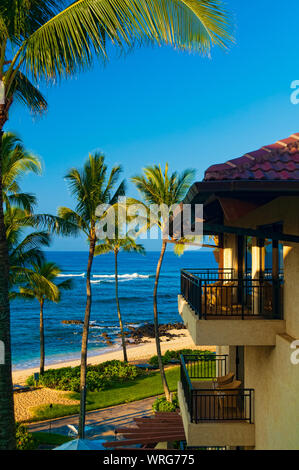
x,y
128,244
16,162
161,192
23,17
67,42
52,223
92,186
38,282
24,295
70,216
120,191
103,248
35,240
25,201
26,93
157,187
41,287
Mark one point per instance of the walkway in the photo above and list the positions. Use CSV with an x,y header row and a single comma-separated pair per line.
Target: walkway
x,y
103,422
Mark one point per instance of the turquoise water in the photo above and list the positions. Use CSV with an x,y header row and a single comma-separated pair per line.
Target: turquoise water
x,y
136,278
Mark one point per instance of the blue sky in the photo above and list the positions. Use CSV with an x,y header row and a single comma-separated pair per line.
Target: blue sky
x,y
159,105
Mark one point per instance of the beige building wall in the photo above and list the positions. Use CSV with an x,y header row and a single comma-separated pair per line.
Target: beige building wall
x,y
285,210
276,382
268,370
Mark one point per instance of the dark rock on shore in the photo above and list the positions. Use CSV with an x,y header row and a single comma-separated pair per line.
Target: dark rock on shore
x,y
137,335
147,330
76,322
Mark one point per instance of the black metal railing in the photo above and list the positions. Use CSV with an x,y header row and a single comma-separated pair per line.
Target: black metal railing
x,y
217,404
232,297
205,366
210,273
267,273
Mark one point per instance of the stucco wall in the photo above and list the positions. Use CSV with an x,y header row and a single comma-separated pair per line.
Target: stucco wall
x,y
284,210
269,369
276,382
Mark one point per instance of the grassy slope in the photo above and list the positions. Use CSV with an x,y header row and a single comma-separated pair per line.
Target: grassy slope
x,y
51,439
142,387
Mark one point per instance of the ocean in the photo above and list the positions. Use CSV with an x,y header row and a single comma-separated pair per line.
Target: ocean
x,y
136,281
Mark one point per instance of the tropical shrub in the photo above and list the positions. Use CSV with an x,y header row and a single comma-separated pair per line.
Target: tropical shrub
x,y
24,439
161,404
175,356
154,361
30,381
98,377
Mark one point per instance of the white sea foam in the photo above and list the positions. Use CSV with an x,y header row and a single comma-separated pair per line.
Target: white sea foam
x,y
128,277
71,275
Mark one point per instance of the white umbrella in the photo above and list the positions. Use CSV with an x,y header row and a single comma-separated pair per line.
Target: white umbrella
x,y
82,444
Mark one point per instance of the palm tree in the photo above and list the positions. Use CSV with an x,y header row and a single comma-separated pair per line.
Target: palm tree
x,y
52,39
41,286
115,245
28,269
157,188
24,248
92,187
16,163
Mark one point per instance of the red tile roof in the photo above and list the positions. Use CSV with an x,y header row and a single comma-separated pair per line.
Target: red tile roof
x,y
279,161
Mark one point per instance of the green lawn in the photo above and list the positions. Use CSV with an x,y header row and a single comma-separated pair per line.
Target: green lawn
x,y
142,387
51,439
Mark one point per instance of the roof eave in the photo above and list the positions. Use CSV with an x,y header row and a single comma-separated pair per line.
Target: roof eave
x,y
206,188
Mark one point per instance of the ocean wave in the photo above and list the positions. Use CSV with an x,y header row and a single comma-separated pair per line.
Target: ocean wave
x,y
70,275
110,281
94,324
122,276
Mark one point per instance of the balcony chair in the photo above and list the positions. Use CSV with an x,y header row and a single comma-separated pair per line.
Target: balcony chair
x,y
224,380
230,400
219,296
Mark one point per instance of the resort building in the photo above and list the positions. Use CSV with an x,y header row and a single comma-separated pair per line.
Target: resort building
x,y
248,307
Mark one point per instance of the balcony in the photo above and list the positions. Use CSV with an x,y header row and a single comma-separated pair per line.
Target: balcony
x,y
213,416
220,309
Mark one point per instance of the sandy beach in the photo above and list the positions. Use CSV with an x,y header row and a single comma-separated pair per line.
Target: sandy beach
x,y
140,352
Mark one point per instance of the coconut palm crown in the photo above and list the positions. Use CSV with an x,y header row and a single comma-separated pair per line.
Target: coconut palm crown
x,y
159,187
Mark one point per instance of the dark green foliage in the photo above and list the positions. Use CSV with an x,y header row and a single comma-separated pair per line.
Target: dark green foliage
x,y
98,377
161,404
171,356
49,439
154,361
24,439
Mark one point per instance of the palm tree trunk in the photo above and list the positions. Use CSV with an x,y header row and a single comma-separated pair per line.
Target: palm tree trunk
x,y
156,325
85,342
123,340
42,339
7,421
